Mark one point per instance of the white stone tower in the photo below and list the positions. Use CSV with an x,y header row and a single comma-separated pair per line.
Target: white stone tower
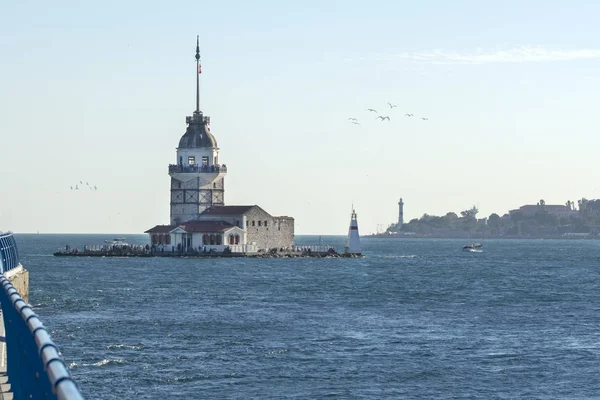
x,y
353,242
400,213
197,178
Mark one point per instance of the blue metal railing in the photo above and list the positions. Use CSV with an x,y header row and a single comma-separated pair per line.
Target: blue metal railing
x,y
34,365
9,255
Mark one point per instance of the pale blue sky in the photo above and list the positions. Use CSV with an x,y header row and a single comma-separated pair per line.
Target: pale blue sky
x,y
99,92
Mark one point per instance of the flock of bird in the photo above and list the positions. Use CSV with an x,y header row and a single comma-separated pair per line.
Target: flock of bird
x,y
383,117
76,187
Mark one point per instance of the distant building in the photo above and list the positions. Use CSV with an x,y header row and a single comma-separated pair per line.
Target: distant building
x,y
558,210
200,220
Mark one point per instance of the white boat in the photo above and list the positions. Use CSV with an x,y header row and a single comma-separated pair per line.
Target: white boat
x,y
117,242
473,247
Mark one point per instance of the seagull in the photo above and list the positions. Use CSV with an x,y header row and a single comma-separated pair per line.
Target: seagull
x,y
425,119
352,119
356,123
409,115
95,187
71,187
372,110
383,118
391,105
76,187
87,183
81,182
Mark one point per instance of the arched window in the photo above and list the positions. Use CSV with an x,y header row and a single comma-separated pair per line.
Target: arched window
x,y
237,239
213,239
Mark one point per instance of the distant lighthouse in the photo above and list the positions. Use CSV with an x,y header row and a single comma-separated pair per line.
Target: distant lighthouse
x,y
400,213
353,242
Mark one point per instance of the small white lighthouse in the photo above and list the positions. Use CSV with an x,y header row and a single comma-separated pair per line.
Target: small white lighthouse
x,y
400,213
353,242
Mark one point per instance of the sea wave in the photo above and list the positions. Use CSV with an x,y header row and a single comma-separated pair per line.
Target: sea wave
x,y
117,361
107,362
396,256
125,346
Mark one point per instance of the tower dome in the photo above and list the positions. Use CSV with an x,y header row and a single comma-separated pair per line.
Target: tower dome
x,y
197,134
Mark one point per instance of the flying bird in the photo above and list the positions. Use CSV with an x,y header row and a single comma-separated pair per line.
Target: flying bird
x,y
356,123
425,119
391,105
383,118
409,115
76,187
352,119
95,187
81,182
372,110
71,187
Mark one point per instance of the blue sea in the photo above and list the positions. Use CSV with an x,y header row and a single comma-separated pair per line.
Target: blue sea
x,y
415,318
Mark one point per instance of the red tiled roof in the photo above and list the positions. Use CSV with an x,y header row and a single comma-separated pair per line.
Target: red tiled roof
x,y
227,210
161,229
205,226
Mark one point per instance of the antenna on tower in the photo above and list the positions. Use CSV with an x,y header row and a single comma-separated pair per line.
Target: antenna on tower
x,y
198,72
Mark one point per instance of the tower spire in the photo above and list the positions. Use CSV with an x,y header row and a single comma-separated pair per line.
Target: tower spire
x,y
198,71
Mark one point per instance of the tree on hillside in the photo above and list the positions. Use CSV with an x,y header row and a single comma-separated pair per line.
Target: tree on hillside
x,y
541,205
582,206
593,205
517,216
494,221
470,213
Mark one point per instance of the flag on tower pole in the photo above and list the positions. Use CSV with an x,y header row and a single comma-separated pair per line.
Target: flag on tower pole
x,y
199,68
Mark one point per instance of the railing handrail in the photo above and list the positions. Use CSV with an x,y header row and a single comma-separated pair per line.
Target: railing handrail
x,y
35,366
197,168
9,253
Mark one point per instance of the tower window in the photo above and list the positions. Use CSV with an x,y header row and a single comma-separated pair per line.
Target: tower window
x,y
214,185
253,223
205,161
191,160
265,223
259,223
179,185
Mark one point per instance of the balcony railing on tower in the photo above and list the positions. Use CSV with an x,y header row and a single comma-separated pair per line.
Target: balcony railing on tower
x,y
174,168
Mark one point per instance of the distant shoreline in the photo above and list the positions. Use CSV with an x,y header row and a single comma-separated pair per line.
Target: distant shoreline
x,y
410,237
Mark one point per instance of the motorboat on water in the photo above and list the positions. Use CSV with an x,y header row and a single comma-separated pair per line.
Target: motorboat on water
x,y
473,247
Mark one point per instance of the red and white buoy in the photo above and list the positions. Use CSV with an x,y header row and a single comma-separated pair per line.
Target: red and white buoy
x,y
353,242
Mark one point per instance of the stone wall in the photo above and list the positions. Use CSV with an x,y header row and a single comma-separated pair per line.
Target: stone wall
x,y
19,277
269,232
285,230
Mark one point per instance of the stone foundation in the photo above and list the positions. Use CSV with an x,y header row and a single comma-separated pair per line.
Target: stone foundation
x,y
19,277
